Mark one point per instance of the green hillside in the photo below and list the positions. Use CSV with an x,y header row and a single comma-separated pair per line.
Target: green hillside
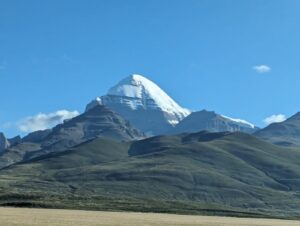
x,y
207,173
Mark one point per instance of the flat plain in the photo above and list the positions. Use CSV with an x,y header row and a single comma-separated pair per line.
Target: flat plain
x,y
57,217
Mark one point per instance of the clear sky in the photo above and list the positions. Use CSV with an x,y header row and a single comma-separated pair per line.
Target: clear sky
x,y
238,58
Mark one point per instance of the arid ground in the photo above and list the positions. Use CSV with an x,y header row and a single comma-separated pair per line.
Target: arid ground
x,y
32,217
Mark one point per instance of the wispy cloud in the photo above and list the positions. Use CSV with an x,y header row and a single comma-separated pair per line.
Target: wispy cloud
x,y
274,118
262,68
44,121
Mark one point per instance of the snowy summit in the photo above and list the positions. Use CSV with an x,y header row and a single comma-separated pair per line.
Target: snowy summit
x,y
144,103
137,92
148,93
152,110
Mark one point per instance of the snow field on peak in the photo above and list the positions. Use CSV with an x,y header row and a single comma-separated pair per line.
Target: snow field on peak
x,y
239,121
139,87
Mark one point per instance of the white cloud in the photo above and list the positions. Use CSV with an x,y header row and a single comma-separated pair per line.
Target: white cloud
x,y
274,118
262,69
44,121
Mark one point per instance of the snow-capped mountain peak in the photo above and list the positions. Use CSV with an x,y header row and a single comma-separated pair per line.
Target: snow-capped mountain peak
x,y
154,112
143,103
150,95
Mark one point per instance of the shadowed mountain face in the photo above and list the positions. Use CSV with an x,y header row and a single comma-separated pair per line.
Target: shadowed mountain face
x,y
210,121
3,142
216,173
285,133
98,122
37,136
15,140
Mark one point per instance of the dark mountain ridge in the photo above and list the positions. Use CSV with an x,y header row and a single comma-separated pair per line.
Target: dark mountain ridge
x,y
97,122
286,133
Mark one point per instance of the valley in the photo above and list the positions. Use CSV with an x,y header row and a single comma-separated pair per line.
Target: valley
x,y
188,173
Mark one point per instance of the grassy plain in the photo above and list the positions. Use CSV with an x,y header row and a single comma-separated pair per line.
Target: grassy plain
x,y
57,217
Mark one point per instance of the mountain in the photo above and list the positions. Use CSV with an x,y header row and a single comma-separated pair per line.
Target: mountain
x,y
286,133
4,143
15,140
213,122
98,122
37,136
152,111
208,173
144,104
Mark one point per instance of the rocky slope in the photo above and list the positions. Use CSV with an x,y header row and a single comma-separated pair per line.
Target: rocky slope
x,y
285,133
98,122
4,143
213,122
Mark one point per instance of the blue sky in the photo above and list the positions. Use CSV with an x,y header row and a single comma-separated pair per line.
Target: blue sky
x,y
60,54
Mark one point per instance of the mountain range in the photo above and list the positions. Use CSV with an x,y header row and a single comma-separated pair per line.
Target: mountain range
x,y
154,112
100,121
136,149
135,99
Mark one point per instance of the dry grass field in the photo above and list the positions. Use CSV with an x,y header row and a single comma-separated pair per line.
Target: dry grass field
x,y
32,217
